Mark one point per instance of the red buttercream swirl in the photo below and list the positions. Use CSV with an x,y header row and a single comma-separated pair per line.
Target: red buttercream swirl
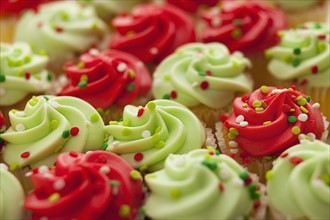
x,y
249,27
97,185
192,6
107,78
152,31
259,139
18,6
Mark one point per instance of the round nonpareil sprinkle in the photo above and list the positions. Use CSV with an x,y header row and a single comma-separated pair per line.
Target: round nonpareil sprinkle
x,y
295,130
138,156
302,117
20,127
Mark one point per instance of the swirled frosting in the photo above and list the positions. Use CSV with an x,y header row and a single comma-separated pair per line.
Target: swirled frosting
x,y
147,135
298,185
303,55
61,29
200,73
249,27
49,125
18,6
22,72
106,78
152,31
96,185
193,6
200,185
11,195
270,120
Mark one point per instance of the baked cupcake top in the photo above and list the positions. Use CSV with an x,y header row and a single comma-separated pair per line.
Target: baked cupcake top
x,y
152,31
11,194
22,72
249,27
61,28
147,135
49,125
201,184
107,78
302,55
199,73
18,6
299,183
193,6
270,120
96,185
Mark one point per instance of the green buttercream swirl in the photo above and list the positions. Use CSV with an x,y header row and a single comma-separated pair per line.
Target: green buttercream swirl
x,y
43,130
195,65
302,54
302,190
165,127
189,188
22,72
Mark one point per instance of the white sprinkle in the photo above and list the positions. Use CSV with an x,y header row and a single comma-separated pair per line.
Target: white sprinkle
x,y
216,22
63,80
20,127
195,84
105,170
54,104
48,175
239,119
3,166
223,174
88,152
157,83
316,105
302,117
2,91
121,67
301,137
115,143
145,134
233,144
59,184
180,162
243,123
43,218
139,64
238,54
43,169
88,123
94,52
215,11
20,114
311,136
153,50
233,151
29,174
237,182
276,91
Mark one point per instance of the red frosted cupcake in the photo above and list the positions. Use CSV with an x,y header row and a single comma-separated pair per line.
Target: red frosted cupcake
x,y
152,31
108,80
95,185
249,27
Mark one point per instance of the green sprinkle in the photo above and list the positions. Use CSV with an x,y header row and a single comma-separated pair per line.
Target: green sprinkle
x,y
142,212
2,131
237,21
255,195
104,146
317,26
175,193
236,33
114,183
130,87
217,152
296,62
53,124
2,78
49,76
124,211
135,175
54,197
94,118
166,96
296,51
42,53
308,98
160,144
13,166
65,133
295,130
267,157
231,136
269,175
126,132
211,164
158,129
243,175
252,187
321,46
151,105
292,119
113,123
82,84
201,73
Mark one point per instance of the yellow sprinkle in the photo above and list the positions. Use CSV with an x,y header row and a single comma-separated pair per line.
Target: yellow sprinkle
x,y
144,167
13,111
124,211
54,197
151,105
81,65
113,123
298,98
53,124
302,101
167,77
100,110
158,129
155,137
292,110
259,109
303,109
135,175
20,73
13,166
231,136
125,122
151,176
235,64
160,144
234,131
268,54
264,89
208,157
175,193
126,131
244,105
256,103
295,130
210,149
269,175
94,118
84,78
288,59
130,33
266,122
131,73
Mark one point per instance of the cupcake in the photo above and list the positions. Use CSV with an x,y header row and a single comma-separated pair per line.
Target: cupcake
x,y
23,73
147,135
302,58
96,185
108,80
298,185
203,184
62,29
46,127
267,122
249,27
204,77
152,31
11,194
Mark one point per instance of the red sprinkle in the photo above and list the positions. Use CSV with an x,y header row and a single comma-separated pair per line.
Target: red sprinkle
x,y
283,155
211,152
59,29
25,154
27,75
303,82
204,85
173,94
243,155
248,181
256,204
73,154
321,36
209,73
140,112
223,118
220,186
138,156
74,131
293,87
296,160
314,69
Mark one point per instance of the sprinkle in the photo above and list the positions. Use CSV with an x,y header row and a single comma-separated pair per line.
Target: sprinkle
x,y
20,127
140,112
54,104
81,65
302,117
121,67
54,197
237,22
283,155
233,144
237,182
236,33
131,73
94,118
267,122
104,146
296,51
204,85
151,105
82,84
208,73
244,105
316,105
243,124
25,154
295,130
173,94
135,175
145,134
239,119
130,87
234,131
138,156
194,84
166,96
303,109
175,193
74,131
153,51
124,211
59,184
292,119
221,187
243,175
269,175
314,69
27,75
58,29
296,62
126,131
94,52
264,89
296,160
216,22
257,103
65,133
321,36
160,144
20,114
311,136
201,73
302,101
144,167
105,170
13,166
73,154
